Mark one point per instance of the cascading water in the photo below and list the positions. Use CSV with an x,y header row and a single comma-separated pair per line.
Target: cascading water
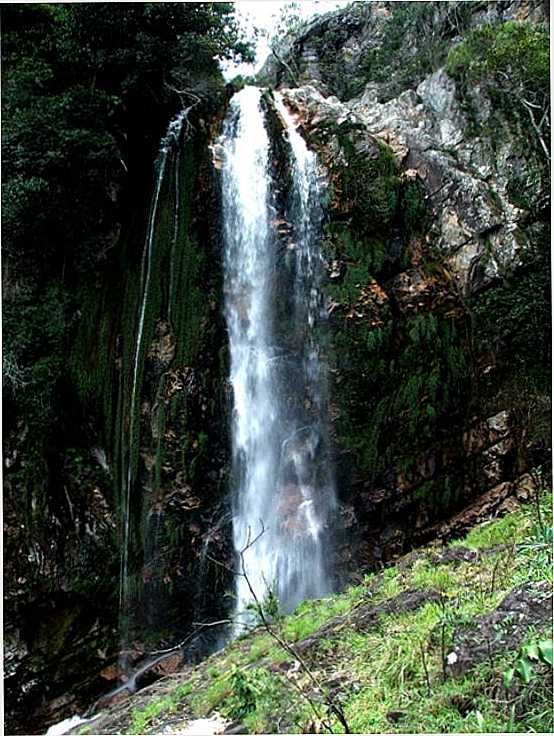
x,y
284,490
130,432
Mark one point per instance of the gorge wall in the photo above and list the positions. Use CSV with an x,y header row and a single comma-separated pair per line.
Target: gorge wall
x,y
437,246
436,242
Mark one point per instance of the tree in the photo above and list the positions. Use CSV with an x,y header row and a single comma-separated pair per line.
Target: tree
x,y
88,89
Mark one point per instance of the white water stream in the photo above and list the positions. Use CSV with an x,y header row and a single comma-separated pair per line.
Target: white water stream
x,y
283,487
130,433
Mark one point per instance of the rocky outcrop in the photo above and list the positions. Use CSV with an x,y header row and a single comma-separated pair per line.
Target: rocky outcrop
x,y
426,222
528,605
395,43
476,225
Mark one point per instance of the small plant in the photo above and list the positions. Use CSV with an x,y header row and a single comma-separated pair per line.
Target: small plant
x,y
540,541
250,689
268,608
529,656
243,699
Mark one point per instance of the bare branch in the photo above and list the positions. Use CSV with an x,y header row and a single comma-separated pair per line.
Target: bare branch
x,y
220,623
331,706
537,129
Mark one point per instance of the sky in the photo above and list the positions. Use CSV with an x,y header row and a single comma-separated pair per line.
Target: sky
x,y
265,14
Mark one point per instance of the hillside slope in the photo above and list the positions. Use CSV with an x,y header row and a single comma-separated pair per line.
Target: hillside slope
x,y
425,645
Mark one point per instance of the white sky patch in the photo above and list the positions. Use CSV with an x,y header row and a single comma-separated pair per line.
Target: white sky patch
x,y
265,14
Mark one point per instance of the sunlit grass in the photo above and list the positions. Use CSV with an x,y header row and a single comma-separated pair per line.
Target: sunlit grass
x,y
392,673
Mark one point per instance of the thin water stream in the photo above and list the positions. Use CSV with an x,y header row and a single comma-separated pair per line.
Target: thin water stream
x,y
170,142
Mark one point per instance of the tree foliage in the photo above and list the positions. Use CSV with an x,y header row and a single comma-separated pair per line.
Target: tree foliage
x,y
88,89
513,60
84,85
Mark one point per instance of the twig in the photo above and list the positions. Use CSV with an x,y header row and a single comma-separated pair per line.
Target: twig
x,y
443,650
494,571
220,623
424,660
283,643
535,477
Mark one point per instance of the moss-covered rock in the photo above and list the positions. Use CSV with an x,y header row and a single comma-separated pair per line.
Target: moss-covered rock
x,y
428,216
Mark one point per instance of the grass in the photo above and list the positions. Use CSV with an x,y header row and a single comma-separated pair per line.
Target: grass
x,y
310,615
396,697
391,675
496,531
142,718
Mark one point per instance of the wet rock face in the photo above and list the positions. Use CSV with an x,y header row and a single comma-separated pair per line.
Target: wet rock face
x,y
184,522
54,659
479,226
327,50
60,614
62,494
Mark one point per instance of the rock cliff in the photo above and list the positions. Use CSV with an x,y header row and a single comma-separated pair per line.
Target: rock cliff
x,y
439,202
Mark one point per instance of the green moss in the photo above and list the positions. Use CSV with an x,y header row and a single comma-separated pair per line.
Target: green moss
x,y
174,287
417,376
187,298
370,184
414,210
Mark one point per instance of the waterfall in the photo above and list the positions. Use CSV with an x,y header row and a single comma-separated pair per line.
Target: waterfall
x,y
130,432
283,490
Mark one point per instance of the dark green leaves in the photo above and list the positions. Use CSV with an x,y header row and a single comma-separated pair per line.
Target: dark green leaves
x,y
529,657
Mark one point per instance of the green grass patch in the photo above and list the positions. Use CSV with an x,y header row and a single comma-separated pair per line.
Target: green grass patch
x,y
143,718
310,615
392,674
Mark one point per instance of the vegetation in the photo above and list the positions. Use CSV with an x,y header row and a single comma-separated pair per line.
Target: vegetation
x,y
430,26
433,24
507,55
519,50
418,376
512,61
77,80
391,673
88,92
168,704
413,370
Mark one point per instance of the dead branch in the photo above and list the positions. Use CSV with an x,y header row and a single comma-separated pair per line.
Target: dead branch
x,y
536,128
425,669
332,707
